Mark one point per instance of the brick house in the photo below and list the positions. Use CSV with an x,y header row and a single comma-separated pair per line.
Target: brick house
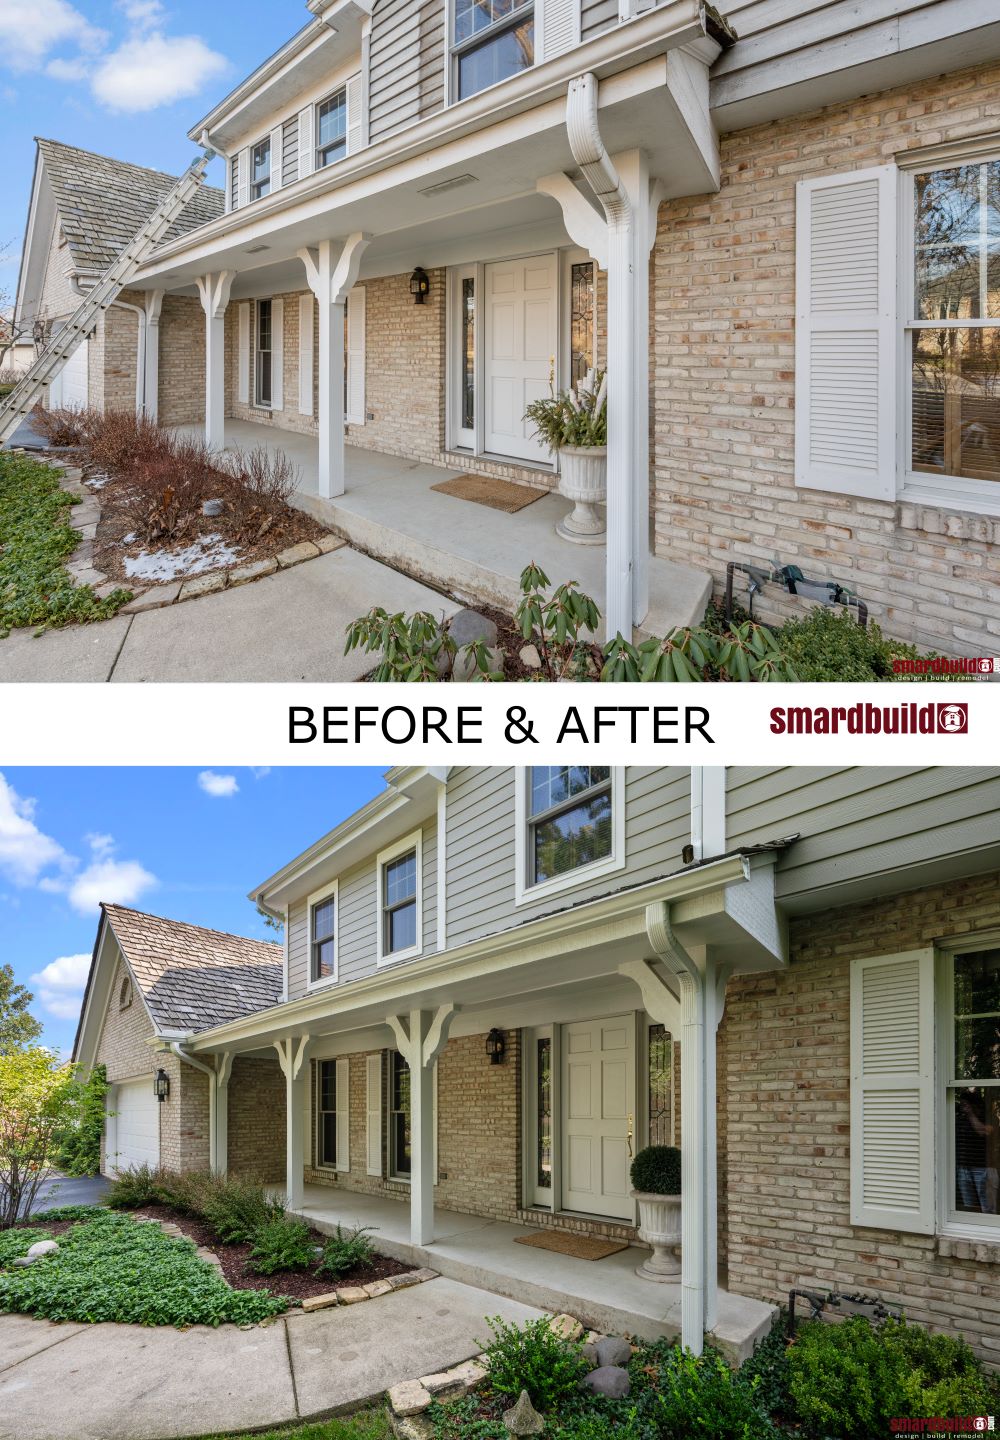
x,y
777,229
496,984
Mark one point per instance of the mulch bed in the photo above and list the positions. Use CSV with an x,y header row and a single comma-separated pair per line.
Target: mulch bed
x,y
297,1284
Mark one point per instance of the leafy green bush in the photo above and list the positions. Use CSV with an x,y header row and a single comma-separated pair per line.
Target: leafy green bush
x,y
281,1244
702,1399
135,1186
80,1144
111,1268
35,539
236,1207
657,1170
768,1367
830,645
187,1191
573,417
533,1357
849,1380
347,1250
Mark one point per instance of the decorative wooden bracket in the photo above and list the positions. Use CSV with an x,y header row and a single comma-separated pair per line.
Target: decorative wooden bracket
x,y
214,292
289,1058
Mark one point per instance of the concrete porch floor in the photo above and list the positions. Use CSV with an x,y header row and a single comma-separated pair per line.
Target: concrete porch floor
x,y
606,1294
390,511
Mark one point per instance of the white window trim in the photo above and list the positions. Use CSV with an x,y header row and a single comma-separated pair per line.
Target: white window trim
x,y
526,893
255,402
454,49
267,140
397,957
952,1223
317,897
949,492
318,1162
340,88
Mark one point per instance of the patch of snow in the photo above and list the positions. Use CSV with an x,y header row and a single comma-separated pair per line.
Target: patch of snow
x,y
208,552
97,482
129,539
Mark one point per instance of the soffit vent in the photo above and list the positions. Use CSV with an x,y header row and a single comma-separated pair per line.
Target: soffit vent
x,y
455,183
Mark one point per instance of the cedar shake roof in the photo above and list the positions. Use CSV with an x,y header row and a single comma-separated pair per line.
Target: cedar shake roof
x,y
192,979
102,202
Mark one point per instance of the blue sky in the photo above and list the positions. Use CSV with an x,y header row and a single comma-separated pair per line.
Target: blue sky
x,y
188,844
123,77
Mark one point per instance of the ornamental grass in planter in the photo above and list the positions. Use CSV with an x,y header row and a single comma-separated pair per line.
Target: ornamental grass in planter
x,y
574,424
656,1178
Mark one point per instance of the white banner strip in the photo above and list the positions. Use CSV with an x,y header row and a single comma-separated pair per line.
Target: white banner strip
x,y
891,724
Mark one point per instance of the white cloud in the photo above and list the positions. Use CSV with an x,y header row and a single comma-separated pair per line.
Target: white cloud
x,y
260,772
68,70
221,786
119,882
147,71
61,984
142,12
25,851
30,29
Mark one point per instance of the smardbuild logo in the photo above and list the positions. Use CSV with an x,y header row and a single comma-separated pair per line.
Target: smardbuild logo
x,y
951,718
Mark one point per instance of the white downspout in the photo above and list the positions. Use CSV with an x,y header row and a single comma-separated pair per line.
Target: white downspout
x,y
187,1059
584,133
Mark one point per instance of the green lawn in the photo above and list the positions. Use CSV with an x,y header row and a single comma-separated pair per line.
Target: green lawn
x,y
366,1425
35,539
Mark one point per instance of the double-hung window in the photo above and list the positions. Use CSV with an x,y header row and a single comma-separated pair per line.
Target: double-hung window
x,y
399,904
262,368
331,129
972,1087
492,40
570,826
326,1114
323,938
260,170
953,328
399,1117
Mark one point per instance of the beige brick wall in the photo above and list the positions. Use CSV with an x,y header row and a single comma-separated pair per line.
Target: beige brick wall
x,y
182,361
112,373
724,298
786,1095
257,1119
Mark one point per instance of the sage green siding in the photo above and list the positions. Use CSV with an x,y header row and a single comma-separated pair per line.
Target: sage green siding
x,y
406,75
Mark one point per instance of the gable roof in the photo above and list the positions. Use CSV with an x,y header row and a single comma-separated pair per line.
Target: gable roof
x,y
191,978
102,202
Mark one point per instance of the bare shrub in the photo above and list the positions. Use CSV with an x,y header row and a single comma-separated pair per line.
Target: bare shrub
x,y
61,427
122,442
256,487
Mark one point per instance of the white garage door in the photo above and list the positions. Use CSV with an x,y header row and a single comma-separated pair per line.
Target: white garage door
x,y
69,389
134,1131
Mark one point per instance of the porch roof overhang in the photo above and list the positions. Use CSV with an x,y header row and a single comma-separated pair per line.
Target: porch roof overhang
x,y
586,942
497,144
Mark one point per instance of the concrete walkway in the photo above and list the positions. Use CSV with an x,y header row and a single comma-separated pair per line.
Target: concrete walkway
x,y
127,1382
289,626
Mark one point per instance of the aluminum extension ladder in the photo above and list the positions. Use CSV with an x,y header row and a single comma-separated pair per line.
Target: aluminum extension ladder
x,y
26,393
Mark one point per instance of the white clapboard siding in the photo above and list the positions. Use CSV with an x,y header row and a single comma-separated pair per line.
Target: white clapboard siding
x,y
243,354
892,1091
845,333
343,1114
373,1104
276,148
355,358
560,26
306,127
244,185
354,117
278,354
306,354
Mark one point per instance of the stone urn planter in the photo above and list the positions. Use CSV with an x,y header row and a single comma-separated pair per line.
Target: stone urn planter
x,y
659,1226
583,478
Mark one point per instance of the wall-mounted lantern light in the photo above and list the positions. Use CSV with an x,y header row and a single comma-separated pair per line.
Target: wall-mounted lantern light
x,y
420,285
161,1085
496,1046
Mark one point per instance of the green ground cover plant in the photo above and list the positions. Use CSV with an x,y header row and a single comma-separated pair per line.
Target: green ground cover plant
x,y
281,1243
35,539
346,1249
365,1425
111,1268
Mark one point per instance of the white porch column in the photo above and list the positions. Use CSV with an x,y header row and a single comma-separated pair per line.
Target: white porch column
x,y
223,1070
331,283
291,1058
214,292
421,1037
151,378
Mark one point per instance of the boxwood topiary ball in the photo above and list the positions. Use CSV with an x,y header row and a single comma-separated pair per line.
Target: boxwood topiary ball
x,y
657,1170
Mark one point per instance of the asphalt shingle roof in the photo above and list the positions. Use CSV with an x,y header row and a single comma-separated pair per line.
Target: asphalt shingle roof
x,y
102,202
192,979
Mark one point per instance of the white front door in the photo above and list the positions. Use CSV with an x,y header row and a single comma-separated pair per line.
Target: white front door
x,y
521,303
598,1088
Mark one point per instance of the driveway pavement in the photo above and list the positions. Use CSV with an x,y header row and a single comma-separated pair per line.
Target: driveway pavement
x,y
127,1382
289,626
71,1190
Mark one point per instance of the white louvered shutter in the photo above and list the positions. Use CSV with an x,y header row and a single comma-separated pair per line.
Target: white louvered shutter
x,y
343,1114
243,354
306,143
232,182
354,130
278,354
276,180
559,23
244,186
892,1091
306,354
845,333
373,1114
355,358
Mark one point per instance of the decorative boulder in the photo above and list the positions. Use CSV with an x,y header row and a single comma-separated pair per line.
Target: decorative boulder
x,y
523,1419
464,668
609,1380
468,626
613,1351
42,1247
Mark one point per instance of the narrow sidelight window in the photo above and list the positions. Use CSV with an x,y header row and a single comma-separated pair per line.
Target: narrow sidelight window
x,y
974,1085
582,307
399,903
569,818
260,170
331,129
326,1109
468,357
661,1071
323,963
399,1117
543,1062
494,39
264,348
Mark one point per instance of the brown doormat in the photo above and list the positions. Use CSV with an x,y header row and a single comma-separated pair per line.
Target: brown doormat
x,y
581,1247
488,490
